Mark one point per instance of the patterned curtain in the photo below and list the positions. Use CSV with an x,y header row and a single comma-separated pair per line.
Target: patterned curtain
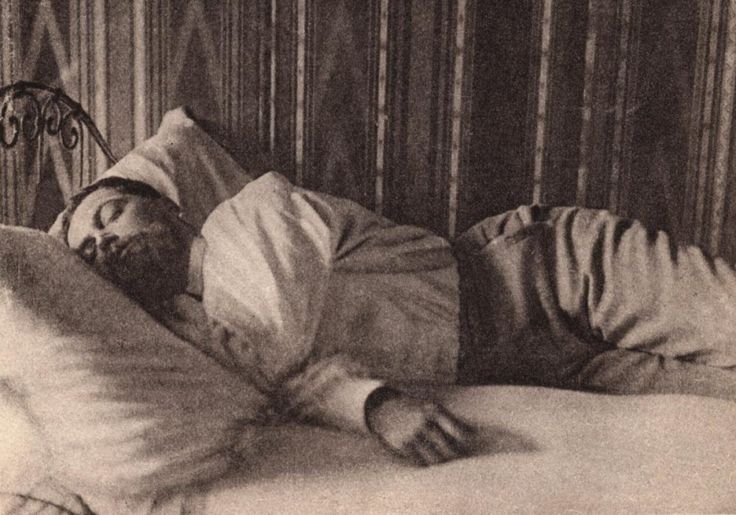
x,y
434,112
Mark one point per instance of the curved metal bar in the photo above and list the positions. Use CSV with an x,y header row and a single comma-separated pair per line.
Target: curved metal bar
x,y
9,120
68,132
53,119
28,124
58,114
33,121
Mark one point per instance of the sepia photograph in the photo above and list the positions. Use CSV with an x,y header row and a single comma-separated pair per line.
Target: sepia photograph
x,y
367,257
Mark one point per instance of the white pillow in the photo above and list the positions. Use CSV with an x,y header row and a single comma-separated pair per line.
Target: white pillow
x,y
124,407
22,450
184,163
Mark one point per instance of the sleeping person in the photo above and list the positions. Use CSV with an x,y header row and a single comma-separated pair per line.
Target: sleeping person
x,y
323,304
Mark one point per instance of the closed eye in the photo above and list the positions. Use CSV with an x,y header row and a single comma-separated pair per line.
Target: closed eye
x,y
109,212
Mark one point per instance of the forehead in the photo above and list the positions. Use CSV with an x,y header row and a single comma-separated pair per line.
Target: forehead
x,y
82,220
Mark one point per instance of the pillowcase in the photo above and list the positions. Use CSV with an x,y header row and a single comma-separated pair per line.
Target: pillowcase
x,y
22,450
124,407
184,163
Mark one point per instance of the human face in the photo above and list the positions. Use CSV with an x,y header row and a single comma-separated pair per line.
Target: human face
x,y
138,243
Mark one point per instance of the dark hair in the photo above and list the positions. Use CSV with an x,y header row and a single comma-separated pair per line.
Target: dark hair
x,y
119,184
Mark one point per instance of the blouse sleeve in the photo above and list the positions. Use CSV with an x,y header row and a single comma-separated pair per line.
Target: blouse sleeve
x,y
269,256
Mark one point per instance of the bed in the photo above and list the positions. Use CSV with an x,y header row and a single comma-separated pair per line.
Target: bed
x,y
70,380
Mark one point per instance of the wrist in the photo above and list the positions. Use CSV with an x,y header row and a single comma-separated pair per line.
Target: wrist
x,y
374,400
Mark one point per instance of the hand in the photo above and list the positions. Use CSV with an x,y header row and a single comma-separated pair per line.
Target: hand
x,y
421,430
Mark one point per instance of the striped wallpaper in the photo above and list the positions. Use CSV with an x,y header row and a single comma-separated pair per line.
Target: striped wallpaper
x,y
434,112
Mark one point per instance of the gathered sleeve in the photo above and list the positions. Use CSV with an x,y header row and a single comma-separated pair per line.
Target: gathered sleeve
x,y
269,256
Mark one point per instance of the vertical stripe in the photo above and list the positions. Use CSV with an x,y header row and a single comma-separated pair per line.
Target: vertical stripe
x,y
272,83
4,41
233,72
85,86
14,73
696,110
707,121
10,72
153,65
163,38
263,98
301,38
382,116
236,61
457,109
73,81
3,152
542,98
40,153
617,157
241,65
242,85
586,125
100,79
724,136
4,58
140,49
163,55
225,51
228,49
310,81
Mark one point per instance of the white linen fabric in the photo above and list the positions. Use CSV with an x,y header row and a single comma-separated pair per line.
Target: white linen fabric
x,y
299,276
123,407
184,163
539,450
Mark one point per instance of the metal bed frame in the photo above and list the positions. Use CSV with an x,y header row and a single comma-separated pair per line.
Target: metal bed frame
x,y
30,114
52,111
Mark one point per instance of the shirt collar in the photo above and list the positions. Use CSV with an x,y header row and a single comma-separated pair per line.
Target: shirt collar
x,y
195,280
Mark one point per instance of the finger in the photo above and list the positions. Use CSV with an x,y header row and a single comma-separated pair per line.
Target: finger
x,y
460,437
435,444
449,445
446,446
421,452
452,425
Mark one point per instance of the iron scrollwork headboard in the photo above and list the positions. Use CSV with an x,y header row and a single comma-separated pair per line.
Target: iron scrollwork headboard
x,y
31,192
55,114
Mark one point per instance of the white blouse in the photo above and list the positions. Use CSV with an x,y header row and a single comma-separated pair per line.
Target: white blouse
x,y
301,276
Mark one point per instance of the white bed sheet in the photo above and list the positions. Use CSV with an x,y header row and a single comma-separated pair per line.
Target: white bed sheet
x,y
543,450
